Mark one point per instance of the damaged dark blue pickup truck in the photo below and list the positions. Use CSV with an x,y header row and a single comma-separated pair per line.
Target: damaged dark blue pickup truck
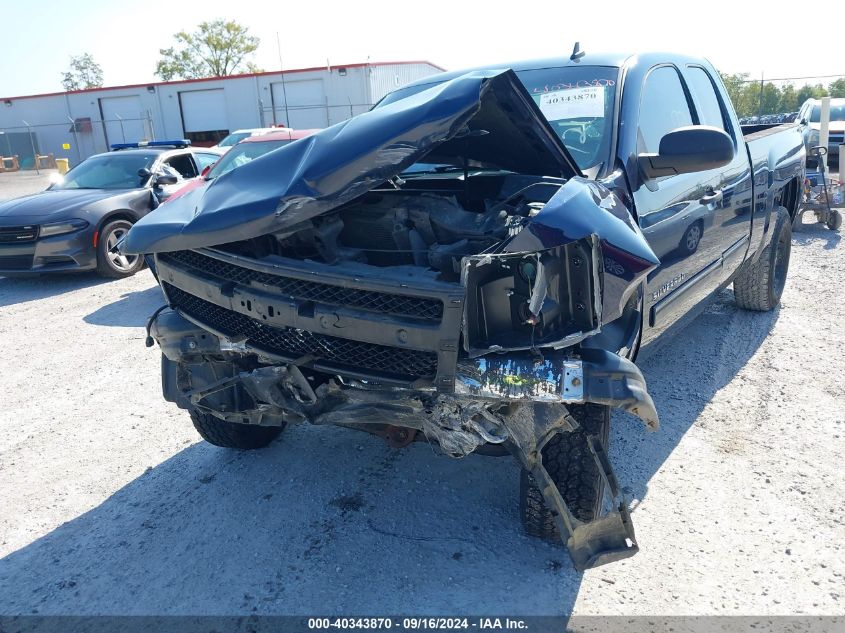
x,y
476,262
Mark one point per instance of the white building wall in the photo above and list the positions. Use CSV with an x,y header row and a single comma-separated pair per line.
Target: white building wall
x,y
387,78
250,101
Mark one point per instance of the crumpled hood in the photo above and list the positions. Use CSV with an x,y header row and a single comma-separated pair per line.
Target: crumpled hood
x,y
48,206
486,116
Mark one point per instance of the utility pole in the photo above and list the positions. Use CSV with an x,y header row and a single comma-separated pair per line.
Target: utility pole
x,y
760,110
284,90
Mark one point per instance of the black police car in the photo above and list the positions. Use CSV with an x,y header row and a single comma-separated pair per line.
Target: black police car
x,y
76,222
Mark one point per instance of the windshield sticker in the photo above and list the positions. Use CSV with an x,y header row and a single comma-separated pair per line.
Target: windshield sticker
x,y
573,104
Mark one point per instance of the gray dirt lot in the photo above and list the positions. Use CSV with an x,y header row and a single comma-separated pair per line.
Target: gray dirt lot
x,y
21,183
110,504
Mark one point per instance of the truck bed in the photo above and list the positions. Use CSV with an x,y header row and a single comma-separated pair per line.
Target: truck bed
x,y
759,130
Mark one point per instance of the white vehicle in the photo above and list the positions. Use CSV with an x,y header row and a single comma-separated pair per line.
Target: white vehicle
x,y
810,116
238,135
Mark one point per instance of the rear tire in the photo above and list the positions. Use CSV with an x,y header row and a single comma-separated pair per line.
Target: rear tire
x,y
570,463
834,220
109,264
759,286
232,434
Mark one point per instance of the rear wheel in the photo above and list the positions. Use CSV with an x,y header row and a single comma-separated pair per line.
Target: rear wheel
x,y
834,220
570,464
232,434
759,286
110,263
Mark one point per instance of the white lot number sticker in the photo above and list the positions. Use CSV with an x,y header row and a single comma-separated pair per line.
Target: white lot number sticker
x,y
573,104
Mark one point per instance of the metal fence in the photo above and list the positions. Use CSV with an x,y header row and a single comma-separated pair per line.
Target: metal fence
x,y
75,139
304,116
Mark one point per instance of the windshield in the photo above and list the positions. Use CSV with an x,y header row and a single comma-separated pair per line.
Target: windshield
x,y
242,154
837,113
109,171
577,101
230,140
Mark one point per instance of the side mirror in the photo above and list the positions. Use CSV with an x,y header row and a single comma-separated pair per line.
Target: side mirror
x,y
144,173
165,179
206,169
688,149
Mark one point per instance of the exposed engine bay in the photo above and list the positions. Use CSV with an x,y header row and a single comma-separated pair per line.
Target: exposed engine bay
x,y
413,225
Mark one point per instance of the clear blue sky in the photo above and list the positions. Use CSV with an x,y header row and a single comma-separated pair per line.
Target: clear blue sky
x,y
124,37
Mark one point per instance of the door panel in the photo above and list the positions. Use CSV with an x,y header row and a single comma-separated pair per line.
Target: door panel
x,y
676,213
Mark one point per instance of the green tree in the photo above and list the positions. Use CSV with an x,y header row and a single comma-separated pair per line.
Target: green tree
x,y
736,85
837,88
83,73
216,49
788,99
770,99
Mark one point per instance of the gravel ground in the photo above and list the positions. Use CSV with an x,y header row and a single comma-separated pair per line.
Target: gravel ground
x,y
21,183
110,504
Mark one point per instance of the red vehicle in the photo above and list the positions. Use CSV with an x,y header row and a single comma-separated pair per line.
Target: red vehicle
x,y
243,152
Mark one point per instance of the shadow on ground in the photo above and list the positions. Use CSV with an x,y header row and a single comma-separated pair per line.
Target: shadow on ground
x,y
14,290
133,309
332,520
683,375
808,233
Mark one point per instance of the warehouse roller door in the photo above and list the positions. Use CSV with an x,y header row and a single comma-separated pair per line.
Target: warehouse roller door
x,y
306,104
123,119
204,115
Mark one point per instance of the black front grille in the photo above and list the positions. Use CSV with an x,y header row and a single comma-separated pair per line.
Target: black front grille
x,y
384,303
17,234
15,262
292,343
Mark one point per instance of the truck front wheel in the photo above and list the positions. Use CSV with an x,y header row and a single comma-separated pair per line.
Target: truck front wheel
x,y
571,465
760,285
232,434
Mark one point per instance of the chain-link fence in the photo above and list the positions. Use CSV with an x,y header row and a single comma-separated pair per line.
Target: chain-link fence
x,y
316,115
74,139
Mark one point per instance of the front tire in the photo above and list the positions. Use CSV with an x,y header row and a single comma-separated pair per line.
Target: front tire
x,y
111,264
245,437
571,465
760,285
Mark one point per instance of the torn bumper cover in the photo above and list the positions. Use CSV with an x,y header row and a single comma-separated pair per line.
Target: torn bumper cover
x,y
458,422
593,375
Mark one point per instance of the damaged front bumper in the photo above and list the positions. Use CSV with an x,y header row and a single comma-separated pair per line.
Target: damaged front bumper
x,y
498,401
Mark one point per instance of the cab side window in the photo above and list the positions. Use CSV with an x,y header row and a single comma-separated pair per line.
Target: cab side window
x,y
663,107
707,103
183,164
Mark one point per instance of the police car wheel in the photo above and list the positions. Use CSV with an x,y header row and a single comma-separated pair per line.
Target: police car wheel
x,y
111,263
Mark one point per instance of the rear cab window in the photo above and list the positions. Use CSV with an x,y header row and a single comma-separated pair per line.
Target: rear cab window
x,y
709,102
